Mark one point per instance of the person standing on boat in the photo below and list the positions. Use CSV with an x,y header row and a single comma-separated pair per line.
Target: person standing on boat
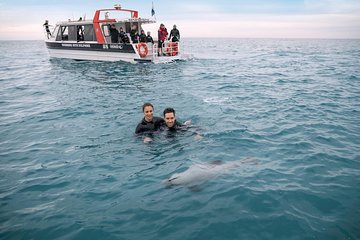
x,y
175,34
80,33
123,36
134,34
149,123
114,33
149,39
142,37
162,35
47,29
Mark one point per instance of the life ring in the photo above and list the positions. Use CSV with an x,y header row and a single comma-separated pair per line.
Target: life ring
x,y
142,49
172,49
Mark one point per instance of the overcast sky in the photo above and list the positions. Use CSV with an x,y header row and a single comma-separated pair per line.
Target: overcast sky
x,y
22,20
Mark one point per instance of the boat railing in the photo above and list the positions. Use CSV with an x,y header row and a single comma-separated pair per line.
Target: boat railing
x,y
168,49
155,50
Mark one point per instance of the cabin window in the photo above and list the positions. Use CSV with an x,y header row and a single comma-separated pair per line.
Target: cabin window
x,y
55,31
127,27
72,33
76,33
63,34
89,34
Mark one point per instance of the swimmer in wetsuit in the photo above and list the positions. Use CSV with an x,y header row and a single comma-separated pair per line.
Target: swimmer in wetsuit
x,y
170,123
149,123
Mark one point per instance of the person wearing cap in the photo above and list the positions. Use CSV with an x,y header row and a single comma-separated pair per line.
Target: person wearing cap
x,y
149,38
175,34
142,37
134,35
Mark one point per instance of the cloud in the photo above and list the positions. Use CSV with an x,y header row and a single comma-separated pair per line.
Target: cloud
x,y
265,26
322,19
333,6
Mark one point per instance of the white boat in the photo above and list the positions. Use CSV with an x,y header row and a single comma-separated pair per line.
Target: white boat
x,y
91,40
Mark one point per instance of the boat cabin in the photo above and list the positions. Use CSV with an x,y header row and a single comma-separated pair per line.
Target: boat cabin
x,y
98,29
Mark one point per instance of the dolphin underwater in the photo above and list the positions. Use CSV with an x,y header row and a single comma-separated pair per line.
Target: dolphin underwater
x,y
199,173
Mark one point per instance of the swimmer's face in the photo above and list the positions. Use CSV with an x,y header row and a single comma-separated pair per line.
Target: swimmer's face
x,y
148,113
169,119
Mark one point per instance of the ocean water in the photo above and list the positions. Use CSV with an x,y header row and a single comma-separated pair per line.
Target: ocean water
x,y
72,167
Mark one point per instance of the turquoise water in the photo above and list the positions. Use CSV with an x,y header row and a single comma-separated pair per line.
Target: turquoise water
x,y
72,168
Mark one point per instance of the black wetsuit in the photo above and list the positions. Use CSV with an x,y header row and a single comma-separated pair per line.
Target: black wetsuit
x,y
142,38
175,34
114,33
177,126
124,37
145,126
149,39
47,29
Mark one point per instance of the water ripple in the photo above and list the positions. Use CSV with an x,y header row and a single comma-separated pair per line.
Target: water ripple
x,y
72,167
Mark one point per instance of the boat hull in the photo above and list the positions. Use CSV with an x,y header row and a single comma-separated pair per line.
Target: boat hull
x,y
104,52
95,55
94,51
